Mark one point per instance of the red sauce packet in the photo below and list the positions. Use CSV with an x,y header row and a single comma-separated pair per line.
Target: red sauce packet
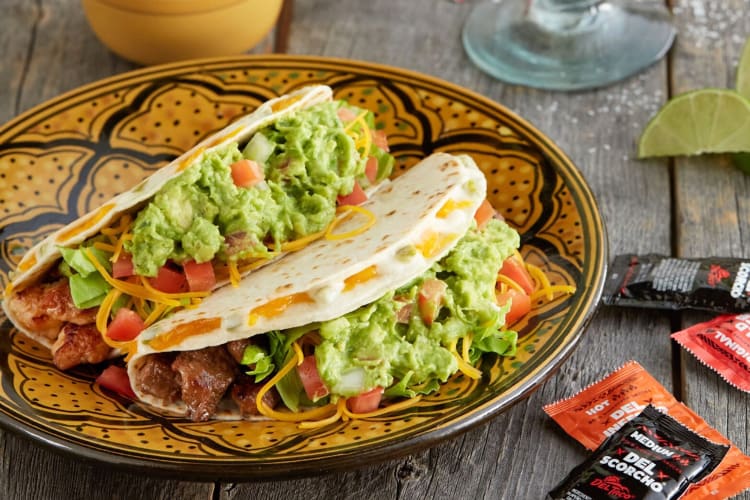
x,y
722,344
601,409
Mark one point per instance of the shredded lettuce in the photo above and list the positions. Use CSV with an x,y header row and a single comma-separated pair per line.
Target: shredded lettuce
x,y
77,260
403,390
87,287
502,343
290,387
261,361
385,162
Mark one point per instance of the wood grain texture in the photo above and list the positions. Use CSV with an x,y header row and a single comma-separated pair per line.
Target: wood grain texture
x,y
520,454
711,196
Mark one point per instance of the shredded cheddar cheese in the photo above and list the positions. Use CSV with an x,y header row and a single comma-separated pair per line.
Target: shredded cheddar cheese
x,y
541,279
234,273
104,246
401,405
463,366
465,346
156,313
300,243
104,311
363,136
314,424
169,298
127,347
510,283
349,211
317,413
553,289
298,351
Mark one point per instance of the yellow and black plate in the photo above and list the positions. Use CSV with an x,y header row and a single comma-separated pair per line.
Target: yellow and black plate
x,y
70,155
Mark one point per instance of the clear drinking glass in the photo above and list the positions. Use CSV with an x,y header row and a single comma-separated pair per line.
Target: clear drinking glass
x,y
566,44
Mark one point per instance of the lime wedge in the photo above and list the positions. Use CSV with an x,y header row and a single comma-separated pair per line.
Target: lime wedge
x,y
701,121
743,72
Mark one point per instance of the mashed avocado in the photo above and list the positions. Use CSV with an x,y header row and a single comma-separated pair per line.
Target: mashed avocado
x,y
307,159
369,347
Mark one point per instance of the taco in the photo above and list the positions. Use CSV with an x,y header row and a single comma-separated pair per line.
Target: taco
x,y
267,184
350,322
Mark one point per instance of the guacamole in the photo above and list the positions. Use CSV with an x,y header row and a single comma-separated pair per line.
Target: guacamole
x,y
308,159
370,347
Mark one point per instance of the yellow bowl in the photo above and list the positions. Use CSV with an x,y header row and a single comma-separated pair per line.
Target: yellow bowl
x,y
157,31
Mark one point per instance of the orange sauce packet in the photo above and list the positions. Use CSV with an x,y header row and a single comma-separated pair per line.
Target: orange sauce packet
x,y
604,407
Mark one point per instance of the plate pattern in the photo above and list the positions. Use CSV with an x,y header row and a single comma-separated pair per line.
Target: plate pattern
x,y
70,155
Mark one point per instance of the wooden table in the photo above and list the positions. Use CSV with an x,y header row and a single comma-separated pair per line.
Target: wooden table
x,y
685,207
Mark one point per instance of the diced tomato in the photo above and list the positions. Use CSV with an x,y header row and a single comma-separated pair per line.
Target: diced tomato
x,y
371,169
356,197
483,214
514,269
126,326
246,173
345,114
430,299
169,280
308,373
115,378
365,402
520,304
123,266
200,277
380,139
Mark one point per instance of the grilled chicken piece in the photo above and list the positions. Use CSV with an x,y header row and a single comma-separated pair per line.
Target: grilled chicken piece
x,y
204,375
244,393
44,308
155,376
79,344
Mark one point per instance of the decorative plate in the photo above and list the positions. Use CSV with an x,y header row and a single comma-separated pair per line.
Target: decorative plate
x,y
71,154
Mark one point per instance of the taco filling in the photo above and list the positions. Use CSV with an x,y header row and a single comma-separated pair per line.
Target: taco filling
x,y
402,345
233,209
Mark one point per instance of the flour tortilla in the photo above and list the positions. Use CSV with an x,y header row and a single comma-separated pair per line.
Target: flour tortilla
x,y
43,256
419,218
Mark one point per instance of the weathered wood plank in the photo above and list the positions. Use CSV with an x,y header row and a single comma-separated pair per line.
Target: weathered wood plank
x,y
711,196
48,49
521,453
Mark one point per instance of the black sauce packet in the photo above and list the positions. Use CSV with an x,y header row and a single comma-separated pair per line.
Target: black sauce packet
x,y
717,284
652,457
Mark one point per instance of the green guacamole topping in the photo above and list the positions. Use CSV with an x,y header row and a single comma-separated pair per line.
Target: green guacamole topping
x,y
369,347
308,160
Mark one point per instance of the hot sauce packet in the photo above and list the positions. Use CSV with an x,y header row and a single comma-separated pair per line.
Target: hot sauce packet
x,y
722,344
652,456
600,410
718,284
